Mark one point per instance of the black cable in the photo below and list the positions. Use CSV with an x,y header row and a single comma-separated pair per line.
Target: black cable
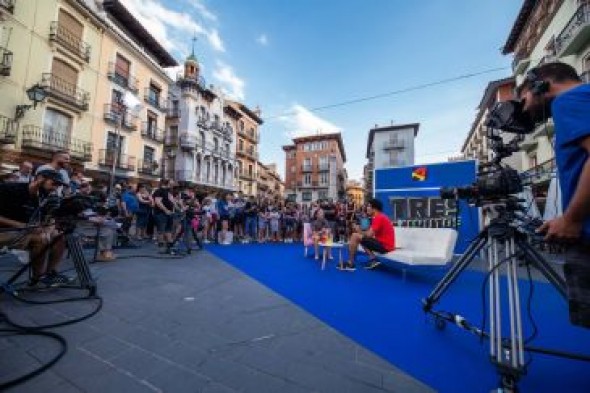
x,y
391,93
529,307
28,332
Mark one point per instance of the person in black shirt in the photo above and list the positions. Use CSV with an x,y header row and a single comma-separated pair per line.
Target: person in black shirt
x,y
163,214
19,204
251,214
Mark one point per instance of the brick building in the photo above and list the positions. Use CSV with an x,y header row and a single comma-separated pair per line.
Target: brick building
x,y
314,167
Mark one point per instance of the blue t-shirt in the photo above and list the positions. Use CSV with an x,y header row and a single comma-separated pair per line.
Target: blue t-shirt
x,y
571,116
223,208
131,201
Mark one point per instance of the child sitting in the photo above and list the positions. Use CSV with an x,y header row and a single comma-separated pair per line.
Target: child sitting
x,y
321,233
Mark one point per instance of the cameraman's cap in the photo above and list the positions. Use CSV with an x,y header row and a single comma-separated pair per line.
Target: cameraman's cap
x,y
52,175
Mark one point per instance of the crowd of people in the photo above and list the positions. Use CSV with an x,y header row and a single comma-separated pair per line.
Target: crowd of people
x,y
179,219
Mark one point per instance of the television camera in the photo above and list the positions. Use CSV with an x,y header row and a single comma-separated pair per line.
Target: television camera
x,y
506,244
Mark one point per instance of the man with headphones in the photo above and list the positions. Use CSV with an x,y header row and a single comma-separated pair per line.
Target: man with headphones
x,y
555,90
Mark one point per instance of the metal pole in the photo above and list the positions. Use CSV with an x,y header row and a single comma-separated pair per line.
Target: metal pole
x,y
117,148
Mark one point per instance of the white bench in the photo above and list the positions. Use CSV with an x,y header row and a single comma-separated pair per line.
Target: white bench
x,y
422,246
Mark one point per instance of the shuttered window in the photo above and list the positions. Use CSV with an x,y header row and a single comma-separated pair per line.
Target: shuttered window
x,y
122,66
70,23
64,71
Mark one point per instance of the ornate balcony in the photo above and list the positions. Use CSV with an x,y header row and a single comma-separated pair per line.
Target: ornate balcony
x,y
540,173
173,113
65,92
148,167
67,39
112,113
8,130
171,138
122,78
188,142
154,100
124,161
8,5
306,168
520,63
150,131
5,61
323,167
49,140
576,33
248,175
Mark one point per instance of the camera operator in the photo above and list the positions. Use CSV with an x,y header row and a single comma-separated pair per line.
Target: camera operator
x,y
19,202
555,89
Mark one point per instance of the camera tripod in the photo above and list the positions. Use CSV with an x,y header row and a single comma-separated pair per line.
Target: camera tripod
x,y
506,245
85,278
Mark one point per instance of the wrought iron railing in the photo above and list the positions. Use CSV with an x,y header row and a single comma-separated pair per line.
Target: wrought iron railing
x,y
65,91
123,161
323,167
154,100
580,19
50,140
8,130
540,172
393,144
173,113
122,78
60,34
150,131
112,112
5,61
8,5
306,167
148,167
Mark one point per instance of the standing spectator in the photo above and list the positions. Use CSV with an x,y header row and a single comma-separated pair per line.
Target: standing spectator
x,y
290,222
60,161
274,217
251,216
239,219
143,212
24,172
163,211
75,182
208,219
330,213
223,208
263,216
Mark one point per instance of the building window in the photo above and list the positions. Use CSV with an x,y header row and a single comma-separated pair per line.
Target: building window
x,y
241,145
307,179
324,178
250,170
112,145
154,94
306,196
122,70
57,127
149,154
323,194
152,124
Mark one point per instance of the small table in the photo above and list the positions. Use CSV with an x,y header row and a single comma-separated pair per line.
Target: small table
x,y
338,246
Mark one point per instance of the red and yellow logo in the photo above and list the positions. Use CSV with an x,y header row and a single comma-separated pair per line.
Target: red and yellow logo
x,y
419,174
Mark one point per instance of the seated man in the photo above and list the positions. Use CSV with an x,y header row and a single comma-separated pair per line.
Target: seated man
x,y
379,238
105,226
19,202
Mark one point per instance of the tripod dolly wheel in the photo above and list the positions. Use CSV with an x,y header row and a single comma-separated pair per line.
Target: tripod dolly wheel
x,y
440,323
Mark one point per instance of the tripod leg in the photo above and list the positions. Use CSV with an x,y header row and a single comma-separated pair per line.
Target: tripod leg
x,y
474,248
543,266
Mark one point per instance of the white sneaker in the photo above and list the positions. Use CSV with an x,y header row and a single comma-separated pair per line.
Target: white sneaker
x,y
206,241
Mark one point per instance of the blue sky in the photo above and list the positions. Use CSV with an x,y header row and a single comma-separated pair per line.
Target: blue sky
x,y
288,56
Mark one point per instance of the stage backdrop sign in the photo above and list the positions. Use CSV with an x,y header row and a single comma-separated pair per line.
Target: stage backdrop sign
x,y
411,197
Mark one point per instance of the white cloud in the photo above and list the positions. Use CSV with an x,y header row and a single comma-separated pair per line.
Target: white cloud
x,y
302,122
262,39
203,10
170,27
231,84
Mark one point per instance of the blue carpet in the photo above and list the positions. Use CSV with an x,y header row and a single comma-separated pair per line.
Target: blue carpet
x,y
382,312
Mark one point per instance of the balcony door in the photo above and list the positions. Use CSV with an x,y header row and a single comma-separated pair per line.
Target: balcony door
x,y
114,147
122,70
149,159
57,129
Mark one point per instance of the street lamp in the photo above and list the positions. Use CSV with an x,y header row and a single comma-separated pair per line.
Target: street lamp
x,y
37,94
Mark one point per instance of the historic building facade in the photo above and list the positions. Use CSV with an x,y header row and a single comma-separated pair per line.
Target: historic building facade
x,y
314,167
